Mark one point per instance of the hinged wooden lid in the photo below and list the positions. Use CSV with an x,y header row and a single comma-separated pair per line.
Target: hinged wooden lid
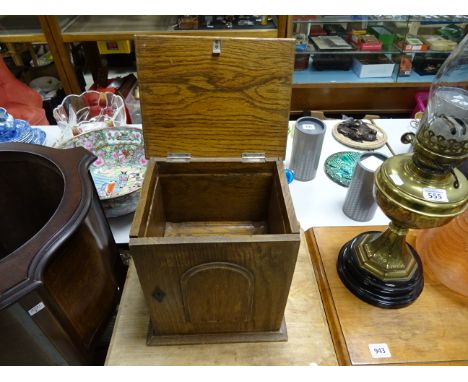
x,y
214,96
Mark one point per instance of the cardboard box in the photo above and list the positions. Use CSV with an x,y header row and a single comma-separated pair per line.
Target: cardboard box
x,y
412,44
114,47
301,60
428,64
367,42
439,43
373,66
384,35
317,30
405,65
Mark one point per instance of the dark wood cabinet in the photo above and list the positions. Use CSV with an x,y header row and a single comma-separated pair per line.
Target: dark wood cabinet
x,y
60,269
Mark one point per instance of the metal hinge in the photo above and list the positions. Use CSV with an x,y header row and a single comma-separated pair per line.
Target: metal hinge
x,y
179,157
253,157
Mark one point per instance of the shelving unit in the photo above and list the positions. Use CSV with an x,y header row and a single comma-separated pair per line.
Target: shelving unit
x,y
59,31
15,29
335,76
332,91
42,30
343,91
101,28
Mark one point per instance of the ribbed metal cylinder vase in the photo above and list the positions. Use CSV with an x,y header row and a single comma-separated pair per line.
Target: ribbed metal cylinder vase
x,y
360,204
309,133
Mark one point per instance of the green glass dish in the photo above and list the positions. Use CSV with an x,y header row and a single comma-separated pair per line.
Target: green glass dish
x,y
340,166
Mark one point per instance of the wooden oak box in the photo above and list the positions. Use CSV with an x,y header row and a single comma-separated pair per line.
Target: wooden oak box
x,y
215,238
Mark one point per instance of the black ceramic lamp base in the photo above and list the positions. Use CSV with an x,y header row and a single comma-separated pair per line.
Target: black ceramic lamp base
x,y
369,288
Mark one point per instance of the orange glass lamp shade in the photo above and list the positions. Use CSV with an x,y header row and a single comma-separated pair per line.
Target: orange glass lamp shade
x,y
444,253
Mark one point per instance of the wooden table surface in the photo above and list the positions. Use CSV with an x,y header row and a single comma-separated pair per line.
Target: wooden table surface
x,y
309,338
432,330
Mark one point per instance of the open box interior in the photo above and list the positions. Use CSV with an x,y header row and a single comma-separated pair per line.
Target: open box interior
x,y
215,198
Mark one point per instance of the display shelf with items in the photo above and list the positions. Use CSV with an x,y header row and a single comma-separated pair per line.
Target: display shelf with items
x,y
66,33
21,29
349,56
103,27
25,28
341,46
346,50
26,37
103,48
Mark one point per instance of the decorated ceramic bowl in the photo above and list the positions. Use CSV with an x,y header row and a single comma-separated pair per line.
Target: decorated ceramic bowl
x,y
340,166
120,166
17,130
88,111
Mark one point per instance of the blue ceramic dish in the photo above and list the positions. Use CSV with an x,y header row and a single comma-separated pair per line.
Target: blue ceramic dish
x,y
17,130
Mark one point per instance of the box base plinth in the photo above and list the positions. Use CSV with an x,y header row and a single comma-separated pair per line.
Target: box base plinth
x,y
153,339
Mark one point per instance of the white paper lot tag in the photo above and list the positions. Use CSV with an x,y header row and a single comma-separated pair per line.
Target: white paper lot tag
x,y
35,309
379,351
435,195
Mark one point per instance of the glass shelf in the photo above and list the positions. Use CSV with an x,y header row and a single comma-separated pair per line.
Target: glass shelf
x,y
348,19
424,20
395,50
415,77
335,77
429,20
21,29
355,52
106,26
25,28
96,28
445,52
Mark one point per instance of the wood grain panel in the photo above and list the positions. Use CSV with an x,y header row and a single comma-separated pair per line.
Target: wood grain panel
x,y
285,199
218,338
282,26
61,53
17,38
361,98
207,228
144,203
87,298
216,197
432,330
332,317
217,292
156,219
129,35
308,336
271,259
215,166
276,220
214,105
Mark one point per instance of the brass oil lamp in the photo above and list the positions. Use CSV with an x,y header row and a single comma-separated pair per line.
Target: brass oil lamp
x,y
418,190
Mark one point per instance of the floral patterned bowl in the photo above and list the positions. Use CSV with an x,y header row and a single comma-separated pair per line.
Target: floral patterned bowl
x,y
88,111
120,166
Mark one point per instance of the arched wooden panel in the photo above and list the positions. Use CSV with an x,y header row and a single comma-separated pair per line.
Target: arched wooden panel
x,y
217,292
